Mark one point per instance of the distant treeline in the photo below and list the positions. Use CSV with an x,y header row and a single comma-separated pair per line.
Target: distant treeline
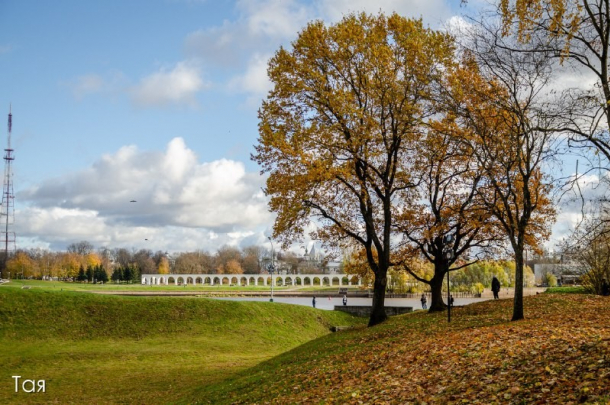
x,y
82,260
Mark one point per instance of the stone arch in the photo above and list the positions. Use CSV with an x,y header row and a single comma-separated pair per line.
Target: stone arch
x,y
217,280
226,280
260,281
198,280
207,280
234,280
180,280
252,281
316,281
306,281
288,281
325,281
189,280
171,280
279,281
336,281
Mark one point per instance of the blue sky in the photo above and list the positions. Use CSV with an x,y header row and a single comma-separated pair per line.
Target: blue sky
x,y
154,101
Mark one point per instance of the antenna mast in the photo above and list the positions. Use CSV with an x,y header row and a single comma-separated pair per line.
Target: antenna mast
x,y
8,199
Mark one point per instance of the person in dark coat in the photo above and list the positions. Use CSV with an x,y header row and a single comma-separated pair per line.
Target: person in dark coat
x,y
424,302
605,287
345,300
313,302
495,287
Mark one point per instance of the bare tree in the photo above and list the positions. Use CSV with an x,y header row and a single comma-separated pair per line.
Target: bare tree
x,y
513,136
589,248
81,248
576,32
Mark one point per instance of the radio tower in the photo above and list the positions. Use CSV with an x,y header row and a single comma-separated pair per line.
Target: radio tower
x,y
8,199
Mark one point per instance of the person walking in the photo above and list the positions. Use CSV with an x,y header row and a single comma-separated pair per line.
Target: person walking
x,y
345,300
424,302
451,300
313,302
605,287
495,287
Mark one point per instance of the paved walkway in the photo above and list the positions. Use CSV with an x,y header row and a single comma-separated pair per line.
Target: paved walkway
x,y
510,292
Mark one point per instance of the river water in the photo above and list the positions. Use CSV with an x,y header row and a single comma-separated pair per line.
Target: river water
x,y
328,303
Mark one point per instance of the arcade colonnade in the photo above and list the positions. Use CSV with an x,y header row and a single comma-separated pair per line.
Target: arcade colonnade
x,y
253,279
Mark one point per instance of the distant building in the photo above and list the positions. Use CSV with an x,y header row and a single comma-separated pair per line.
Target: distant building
x,y
312,261
566,273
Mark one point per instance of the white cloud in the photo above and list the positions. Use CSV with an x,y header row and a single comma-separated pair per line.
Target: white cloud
x,y
254,81
275,18
582,199
214,202
93,83
262,26
222,46
432,11
176,86
246,43
87,84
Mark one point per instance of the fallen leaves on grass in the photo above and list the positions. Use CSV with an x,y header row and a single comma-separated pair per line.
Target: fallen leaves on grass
x,y
559,354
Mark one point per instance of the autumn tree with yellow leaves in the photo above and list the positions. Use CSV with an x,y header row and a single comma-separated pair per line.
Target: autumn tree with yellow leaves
x,y
337,132
500,99
21,265
449,225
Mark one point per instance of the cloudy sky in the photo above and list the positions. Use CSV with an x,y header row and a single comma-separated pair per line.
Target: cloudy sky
x,y
153,101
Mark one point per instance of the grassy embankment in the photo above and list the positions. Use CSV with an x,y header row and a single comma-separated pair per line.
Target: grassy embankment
x,y
559,354
105,349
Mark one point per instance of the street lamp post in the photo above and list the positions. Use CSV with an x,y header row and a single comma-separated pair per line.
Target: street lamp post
x,y
271,267
448,299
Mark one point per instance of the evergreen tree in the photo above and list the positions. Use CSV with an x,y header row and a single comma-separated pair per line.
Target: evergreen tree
x,y
135,274
81,275
117,275
101,275
127,274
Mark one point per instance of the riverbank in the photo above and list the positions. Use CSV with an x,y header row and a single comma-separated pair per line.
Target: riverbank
x,y
487,294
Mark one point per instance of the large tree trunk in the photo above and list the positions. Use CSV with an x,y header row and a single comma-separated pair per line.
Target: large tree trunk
x,y
436,285
378,314
518,300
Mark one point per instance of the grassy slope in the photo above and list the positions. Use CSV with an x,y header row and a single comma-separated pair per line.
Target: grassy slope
x,y
103,349
559,354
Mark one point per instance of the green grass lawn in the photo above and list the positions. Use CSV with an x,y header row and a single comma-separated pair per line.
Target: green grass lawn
x,y
105,349
567,290
93,348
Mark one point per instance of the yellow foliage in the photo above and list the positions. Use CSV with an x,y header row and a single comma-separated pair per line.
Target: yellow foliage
x,y
92,260
20,264
163,266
